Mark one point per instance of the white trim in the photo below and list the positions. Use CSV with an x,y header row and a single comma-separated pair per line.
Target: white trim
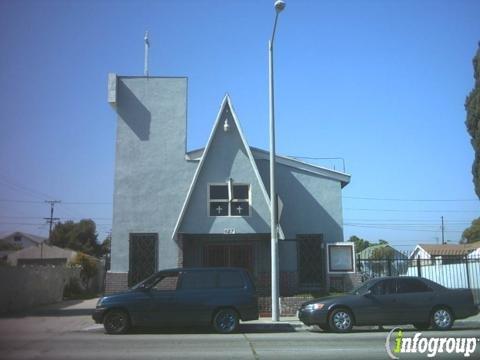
x,y
260,154
226,101
344,178
345,243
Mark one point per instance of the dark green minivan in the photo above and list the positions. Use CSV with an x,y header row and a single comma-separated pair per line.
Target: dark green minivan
x,y
179,297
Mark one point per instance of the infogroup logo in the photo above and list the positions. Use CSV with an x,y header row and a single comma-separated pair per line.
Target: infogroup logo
x,y
397,344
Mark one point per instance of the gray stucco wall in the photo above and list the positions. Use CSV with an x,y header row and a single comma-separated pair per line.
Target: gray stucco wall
x,y
226,158
151,174
312,205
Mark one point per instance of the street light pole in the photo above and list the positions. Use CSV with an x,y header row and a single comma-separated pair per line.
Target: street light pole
x,y
279,6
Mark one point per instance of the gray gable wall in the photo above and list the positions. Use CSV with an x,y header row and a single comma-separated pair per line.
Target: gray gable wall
x,y
226,158
151,174
312,203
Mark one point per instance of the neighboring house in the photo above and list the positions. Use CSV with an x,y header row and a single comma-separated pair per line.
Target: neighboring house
x,y
381,260
211,206
41,254
452,265
446,253
21,239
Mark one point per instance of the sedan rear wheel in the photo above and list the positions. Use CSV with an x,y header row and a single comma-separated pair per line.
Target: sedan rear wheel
x,y
442,319
116,322
225,321
340,320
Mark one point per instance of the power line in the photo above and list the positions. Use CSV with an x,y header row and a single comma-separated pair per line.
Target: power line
x,y
25,189
63,202
60,218
409,200
20,223
21,201
413,211
399,229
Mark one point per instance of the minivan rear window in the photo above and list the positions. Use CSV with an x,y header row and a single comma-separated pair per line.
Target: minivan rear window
x,y
230,279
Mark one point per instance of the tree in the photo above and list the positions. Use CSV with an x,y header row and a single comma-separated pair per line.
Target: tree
x,y
472,234
81,236
360,244
88,268
472,106
382,253
105,250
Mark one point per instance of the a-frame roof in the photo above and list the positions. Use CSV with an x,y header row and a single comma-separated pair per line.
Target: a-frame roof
x,y
225,103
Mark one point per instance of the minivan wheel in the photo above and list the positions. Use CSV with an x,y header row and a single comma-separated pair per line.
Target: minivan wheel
x,y
225,321
116,322
340,320
442,318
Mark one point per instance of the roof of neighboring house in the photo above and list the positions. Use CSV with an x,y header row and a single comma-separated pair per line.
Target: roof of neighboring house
x,y
367,253
35,238
449,249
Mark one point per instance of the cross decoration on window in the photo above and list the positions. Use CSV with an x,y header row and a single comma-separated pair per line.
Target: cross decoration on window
x,y
229,199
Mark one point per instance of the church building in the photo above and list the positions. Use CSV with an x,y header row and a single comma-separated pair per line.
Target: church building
x,y
210,206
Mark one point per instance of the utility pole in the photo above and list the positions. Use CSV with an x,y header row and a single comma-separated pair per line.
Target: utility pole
x,y
50,220
443,233
279,6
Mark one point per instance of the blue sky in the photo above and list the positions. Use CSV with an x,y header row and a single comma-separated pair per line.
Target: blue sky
x,y
379,83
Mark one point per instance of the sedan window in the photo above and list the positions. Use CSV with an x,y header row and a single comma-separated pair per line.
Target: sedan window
x,y
411,286
384,287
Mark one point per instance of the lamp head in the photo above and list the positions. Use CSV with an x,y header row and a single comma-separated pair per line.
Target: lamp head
x,y
279,5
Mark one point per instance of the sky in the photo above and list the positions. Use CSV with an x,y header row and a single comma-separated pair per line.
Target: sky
x,y
379,83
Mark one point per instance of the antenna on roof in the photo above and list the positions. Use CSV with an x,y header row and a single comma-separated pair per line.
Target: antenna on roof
x,y
147,46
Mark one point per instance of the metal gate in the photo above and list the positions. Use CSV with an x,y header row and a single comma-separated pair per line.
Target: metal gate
x,y
229,255
143,257
311,261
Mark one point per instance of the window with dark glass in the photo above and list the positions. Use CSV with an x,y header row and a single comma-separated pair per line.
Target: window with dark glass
x,y
198,280
230,279
229,199
411,286
166,283
384,287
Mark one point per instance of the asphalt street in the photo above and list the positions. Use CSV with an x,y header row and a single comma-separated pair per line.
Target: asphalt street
x,y
66,331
